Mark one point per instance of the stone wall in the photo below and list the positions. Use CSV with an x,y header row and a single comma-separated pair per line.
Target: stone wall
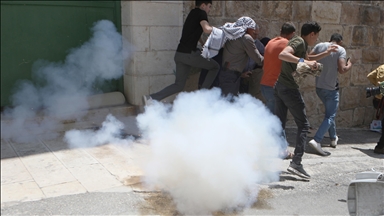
x,y
360,22
154,29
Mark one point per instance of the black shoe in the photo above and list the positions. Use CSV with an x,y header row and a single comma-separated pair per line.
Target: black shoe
x,y
378,150
298,170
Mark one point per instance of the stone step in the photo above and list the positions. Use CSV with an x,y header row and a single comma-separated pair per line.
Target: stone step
x,y
100,105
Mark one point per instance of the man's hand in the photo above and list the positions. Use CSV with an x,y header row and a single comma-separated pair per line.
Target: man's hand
x,y
207,29
311,64
246,74
332,48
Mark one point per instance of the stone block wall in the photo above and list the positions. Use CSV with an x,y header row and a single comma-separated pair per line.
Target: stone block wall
x,y
360,22
154,29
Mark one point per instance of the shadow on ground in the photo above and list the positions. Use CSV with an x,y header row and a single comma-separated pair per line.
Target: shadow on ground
x,y
369,152
346,136
54,141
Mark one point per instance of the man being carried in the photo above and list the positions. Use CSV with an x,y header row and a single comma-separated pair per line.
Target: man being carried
x,y
251,85
236,53
187,55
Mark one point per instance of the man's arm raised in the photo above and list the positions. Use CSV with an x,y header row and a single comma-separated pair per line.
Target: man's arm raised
x,y
207,29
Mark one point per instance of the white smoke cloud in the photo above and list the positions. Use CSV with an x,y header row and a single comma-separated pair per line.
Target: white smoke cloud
x,y
110,132
210,153
59,90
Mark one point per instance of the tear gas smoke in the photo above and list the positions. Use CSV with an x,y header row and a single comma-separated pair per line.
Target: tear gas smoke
x,y
110,132
210,153
60,89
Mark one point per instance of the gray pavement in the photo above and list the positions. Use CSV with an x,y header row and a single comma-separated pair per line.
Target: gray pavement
x,y
44,177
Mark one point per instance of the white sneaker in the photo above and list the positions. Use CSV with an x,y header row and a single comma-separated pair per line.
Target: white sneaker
x,y
334,142
317,147
147,100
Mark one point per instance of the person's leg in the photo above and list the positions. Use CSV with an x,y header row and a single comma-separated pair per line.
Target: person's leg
x,y
380,144
330,99
295,103
332,128
219,59
254,84
292,100
244,85
379,148
184,62
268,94
196,60
216,82
182,71
280,109
202,76
296,106
229,82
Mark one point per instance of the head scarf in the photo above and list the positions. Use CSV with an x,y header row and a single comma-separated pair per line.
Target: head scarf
x,y
238,28
229,31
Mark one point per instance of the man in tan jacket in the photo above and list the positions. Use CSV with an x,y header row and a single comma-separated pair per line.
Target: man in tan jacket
x,y
236,53
375,77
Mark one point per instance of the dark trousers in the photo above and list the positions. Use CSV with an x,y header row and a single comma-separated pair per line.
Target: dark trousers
x,y
229,82
184,63
219,59
251,85
291,99
380,144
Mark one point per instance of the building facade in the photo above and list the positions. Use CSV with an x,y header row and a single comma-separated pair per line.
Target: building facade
x,y
154,29
33,30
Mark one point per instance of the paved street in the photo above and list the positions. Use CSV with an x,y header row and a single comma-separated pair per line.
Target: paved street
x,y
44,177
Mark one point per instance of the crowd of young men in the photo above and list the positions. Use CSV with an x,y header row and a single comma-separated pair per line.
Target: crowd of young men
x,y
276,83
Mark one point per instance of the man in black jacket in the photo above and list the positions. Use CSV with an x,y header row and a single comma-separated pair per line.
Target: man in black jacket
x,y
187,55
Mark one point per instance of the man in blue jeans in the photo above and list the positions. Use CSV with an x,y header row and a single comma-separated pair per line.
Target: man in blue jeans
x,y
272,63
327,87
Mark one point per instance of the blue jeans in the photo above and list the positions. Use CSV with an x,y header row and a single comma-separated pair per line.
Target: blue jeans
x,y
330,99
268,94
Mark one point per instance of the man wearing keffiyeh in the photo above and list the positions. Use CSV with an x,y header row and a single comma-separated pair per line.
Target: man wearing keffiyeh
x,y
239,46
